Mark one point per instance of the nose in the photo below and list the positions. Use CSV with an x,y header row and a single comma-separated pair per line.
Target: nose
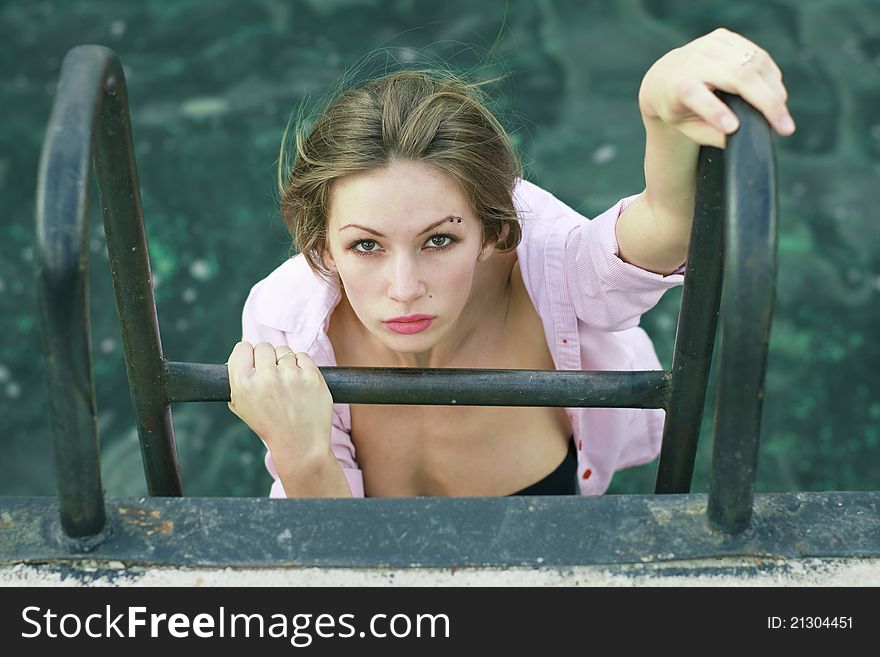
x,y
405,285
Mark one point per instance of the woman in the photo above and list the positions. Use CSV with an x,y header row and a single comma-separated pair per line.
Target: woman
x,y
421,246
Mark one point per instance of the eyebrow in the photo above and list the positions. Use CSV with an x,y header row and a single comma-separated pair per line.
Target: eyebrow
x,y
429,228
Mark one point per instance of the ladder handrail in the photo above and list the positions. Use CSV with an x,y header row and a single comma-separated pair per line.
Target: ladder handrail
x,y
695,332
750,254
737,191
90,124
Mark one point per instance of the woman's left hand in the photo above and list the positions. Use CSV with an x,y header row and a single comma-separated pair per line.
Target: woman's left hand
x,y
678,89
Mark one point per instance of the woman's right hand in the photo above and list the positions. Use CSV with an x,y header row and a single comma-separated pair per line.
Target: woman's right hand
x,y
283,398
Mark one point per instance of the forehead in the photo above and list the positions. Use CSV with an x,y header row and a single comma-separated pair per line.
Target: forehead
x,y
400,194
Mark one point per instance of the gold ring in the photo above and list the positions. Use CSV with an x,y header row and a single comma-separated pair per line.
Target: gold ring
x,y
748,57
286,353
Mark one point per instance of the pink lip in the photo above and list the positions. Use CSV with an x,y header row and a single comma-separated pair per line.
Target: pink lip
x,y
409,324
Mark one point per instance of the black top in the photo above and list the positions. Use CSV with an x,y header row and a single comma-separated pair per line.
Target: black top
x,y
562,481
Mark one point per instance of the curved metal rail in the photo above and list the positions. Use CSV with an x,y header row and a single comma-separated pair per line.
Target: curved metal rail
x,y
90,123
734,237
750,248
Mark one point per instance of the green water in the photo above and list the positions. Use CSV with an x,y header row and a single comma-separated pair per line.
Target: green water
x,y
211,85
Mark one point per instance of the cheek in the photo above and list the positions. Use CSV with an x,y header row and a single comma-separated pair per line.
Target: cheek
x,y
452,277
358,279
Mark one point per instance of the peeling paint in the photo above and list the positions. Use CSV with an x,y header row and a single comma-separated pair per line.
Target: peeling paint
x,y
150,520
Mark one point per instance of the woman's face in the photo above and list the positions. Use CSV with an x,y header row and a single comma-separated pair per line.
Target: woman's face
x,y
405,243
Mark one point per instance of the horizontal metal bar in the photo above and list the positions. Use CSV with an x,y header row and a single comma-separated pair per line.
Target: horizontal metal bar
x,y
191,382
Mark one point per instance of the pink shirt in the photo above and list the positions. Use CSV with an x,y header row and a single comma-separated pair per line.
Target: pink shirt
x,y
589,300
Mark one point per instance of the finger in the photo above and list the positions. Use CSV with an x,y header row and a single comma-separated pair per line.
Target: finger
x,y
309,369
698,98
241,359
784,123
756,91
772,72
760,60
264,356
285,357
750,72
762,64
775,85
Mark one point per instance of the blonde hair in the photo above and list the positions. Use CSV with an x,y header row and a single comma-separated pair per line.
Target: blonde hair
x,y
431,117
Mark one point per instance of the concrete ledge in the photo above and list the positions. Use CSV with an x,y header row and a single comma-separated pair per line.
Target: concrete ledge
x,y
443,533
723,571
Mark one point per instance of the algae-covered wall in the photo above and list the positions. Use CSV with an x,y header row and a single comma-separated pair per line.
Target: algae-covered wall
x,y
211,86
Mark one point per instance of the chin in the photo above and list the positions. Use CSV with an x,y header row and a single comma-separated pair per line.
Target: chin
x,y
408,344
414,343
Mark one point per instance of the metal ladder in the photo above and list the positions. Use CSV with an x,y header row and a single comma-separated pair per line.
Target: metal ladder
x,y
731,265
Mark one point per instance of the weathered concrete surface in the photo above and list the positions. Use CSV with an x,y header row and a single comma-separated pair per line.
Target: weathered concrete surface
x,y
706,572
795,538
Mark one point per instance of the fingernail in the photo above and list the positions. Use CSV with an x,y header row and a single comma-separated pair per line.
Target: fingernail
x,y
729,123
786,125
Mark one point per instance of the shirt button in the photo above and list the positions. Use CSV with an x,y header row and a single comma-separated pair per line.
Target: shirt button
x,y
587,473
